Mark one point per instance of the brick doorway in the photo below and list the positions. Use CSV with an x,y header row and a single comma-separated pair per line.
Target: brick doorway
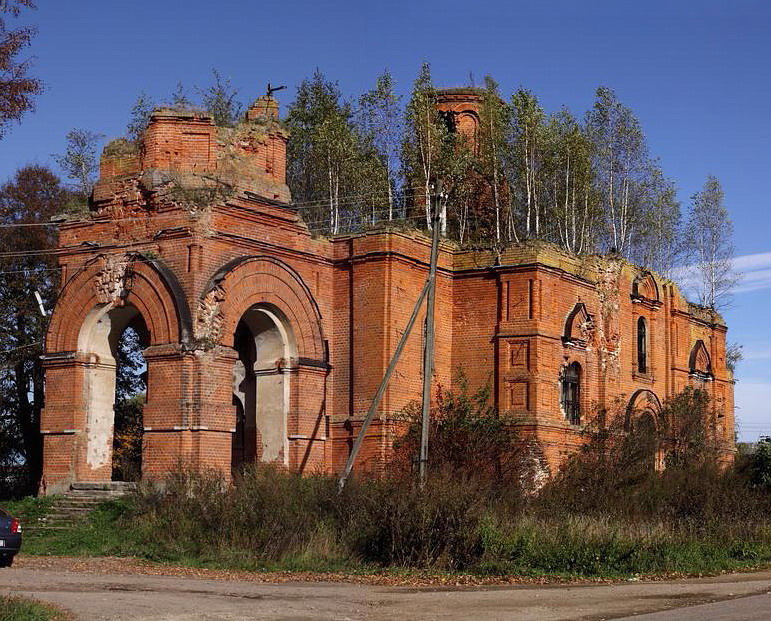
x,y
262,380
99,339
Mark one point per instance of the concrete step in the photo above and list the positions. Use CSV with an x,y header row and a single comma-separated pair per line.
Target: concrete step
x,y
103,486
59,513
78,502
68,501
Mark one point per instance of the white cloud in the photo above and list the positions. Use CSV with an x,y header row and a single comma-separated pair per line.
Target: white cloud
x,y
755,271
754,281
749,262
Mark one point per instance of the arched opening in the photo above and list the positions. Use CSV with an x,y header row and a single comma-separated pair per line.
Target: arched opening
x,y
700,365
642,428
571,393
115,386
130,396
261,386
642,346
644,440
578,327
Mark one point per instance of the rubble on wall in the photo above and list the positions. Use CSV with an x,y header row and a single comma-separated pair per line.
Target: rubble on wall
x,y
208,320
112,280
608,333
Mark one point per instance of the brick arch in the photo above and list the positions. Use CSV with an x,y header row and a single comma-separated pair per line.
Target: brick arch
x,y
151,288
644,286
643,401
699,362
249,281
578,324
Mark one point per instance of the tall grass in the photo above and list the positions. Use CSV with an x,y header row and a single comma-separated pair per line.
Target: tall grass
x,y
608,512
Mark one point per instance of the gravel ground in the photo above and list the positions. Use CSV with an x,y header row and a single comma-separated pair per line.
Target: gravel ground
x,y
123,589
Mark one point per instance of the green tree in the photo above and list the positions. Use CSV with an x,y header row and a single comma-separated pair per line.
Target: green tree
x,y
130,387
760,463
688,429
427,149
33,195
659,240
621,167
220,99
17,87
331,165
469,437
139,117
492,145
381,122
179,98
80,161
527,157
570,201
709,238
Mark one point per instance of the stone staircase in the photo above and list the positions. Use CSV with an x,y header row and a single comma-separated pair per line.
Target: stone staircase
x,y
77,503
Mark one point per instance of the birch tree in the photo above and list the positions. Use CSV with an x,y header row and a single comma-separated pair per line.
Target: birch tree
x,y
620,161
426,141
331,167
659,240
381,120
709,237
494,127
571,203
526,160
80,161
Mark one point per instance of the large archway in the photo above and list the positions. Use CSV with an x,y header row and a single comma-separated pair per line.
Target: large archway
x,y
95,306
262,378
99,339
261,301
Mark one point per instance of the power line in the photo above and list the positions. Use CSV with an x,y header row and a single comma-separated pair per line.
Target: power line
x,y
349,226
349,199
8,351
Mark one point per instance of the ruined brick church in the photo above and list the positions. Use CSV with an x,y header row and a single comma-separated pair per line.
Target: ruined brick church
x,y
266,343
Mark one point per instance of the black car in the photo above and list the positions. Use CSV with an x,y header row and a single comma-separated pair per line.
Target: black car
x,y
10,538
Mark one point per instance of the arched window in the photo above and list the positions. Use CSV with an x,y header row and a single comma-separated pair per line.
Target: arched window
x,y
642,346
571,393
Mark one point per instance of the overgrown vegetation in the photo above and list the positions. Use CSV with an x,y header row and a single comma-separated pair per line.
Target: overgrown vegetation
x,y
611,511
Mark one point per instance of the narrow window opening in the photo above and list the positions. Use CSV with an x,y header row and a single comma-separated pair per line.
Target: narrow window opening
x,y
571,393
642,350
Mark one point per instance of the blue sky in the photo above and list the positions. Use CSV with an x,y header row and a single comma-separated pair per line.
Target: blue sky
x,y
696,73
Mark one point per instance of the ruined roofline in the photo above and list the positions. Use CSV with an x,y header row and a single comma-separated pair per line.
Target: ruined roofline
x,y
182,112
706,314
541,253
185,141
471,91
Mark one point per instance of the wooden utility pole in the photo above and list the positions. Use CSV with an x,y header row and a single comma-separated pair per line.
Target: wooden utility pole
x,y
381,391
428,359
428,352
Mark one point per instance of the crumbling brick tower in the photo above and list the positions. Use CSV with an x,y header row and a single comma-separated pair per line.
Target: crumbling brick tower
x,y
177,242
460,109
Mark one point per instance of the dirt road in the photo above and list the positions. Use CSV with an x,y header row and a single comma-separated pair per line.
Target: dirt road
x,y
111,590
